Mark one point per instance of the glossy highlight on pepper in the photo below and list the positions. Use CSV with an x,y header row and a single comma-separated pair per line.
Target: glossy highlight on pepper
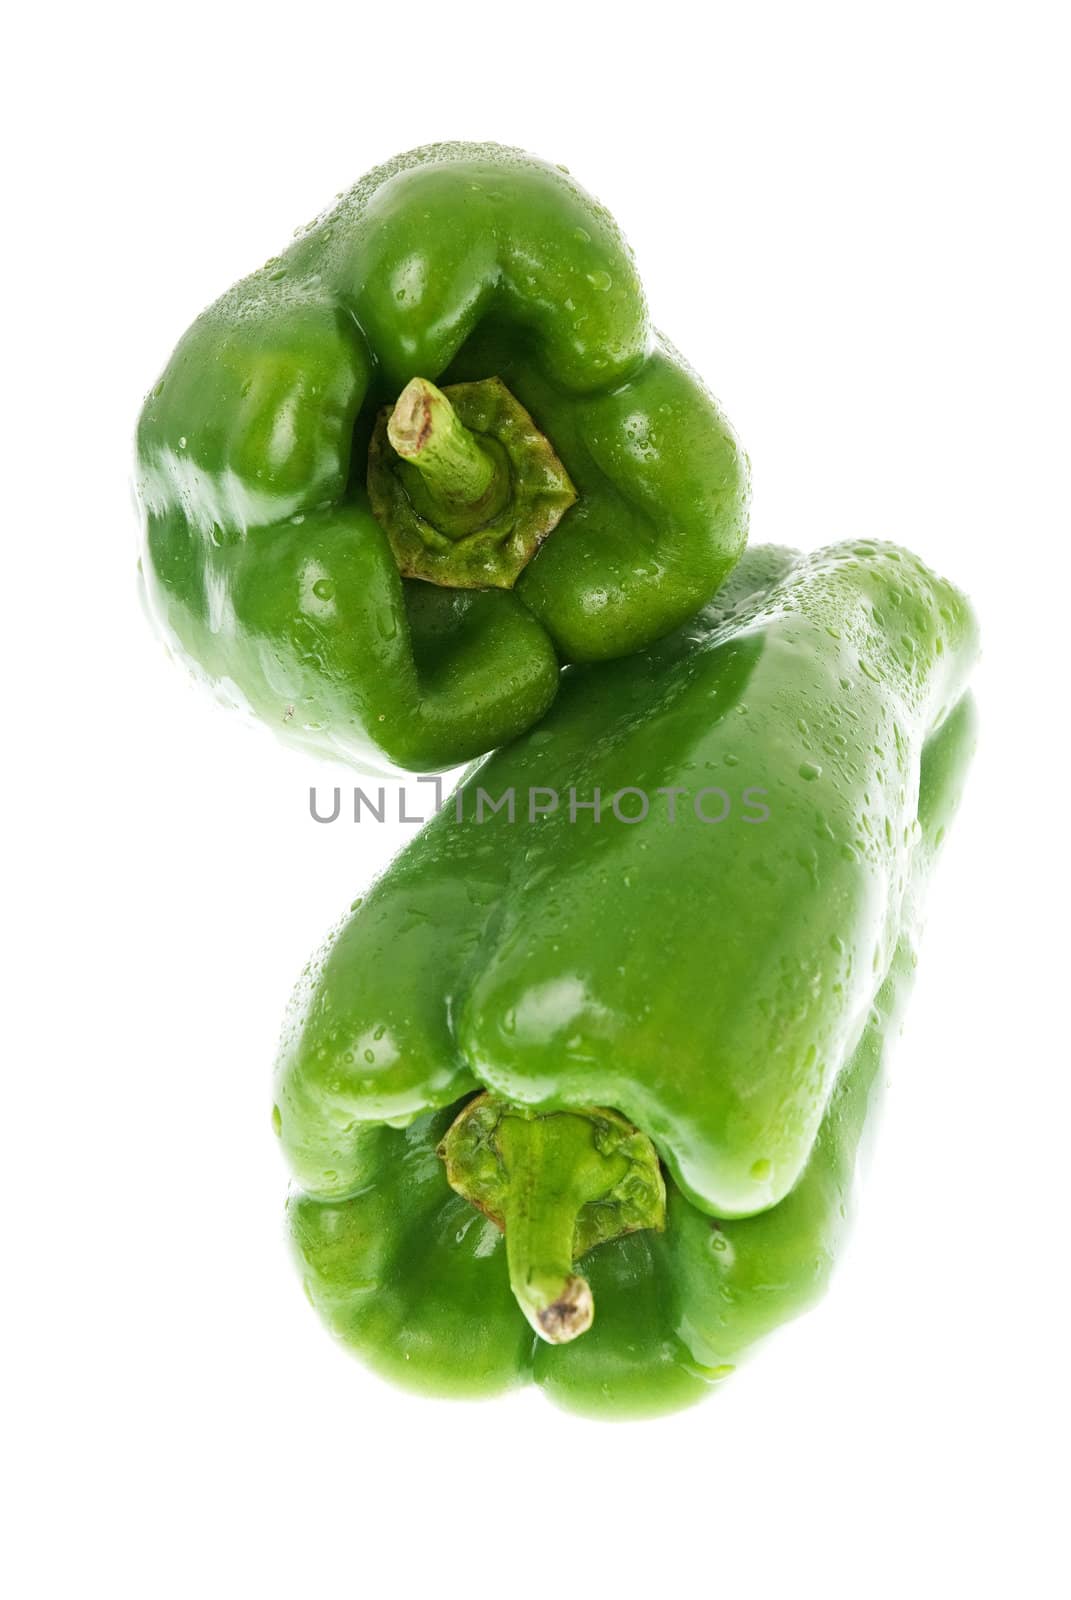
x,y
722,994
587,497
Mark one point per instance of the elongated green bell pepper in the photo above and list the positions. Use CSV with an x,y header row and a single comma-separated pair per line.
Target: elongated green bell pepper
x,y
394,478
574,1095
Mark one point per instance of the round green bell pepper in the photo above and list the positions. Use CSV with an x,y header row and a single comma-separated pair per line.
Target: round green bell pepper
x,y
690,946
403,595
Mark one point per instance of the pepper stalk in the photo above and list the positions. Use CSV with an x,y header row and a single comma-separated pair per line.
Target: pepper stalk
x,y
558,1183
463,481
464,484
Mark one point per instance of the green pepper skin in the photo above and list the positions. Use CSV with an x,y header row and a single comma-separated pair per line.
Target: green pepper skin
x,y
728,988
263,563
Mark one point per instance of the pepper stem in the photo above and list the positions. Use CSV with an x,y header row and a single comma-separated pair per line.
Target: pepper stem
x,y
459,473
559,1183
464,484
551,1176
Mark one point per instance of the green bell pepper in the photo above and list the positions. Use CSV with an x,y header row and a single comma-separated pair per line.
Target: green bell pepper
x,y
391,572
576,1098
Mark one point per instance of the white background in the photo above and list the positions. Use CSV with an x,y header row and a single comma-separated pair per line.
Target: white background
x,y
852,220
